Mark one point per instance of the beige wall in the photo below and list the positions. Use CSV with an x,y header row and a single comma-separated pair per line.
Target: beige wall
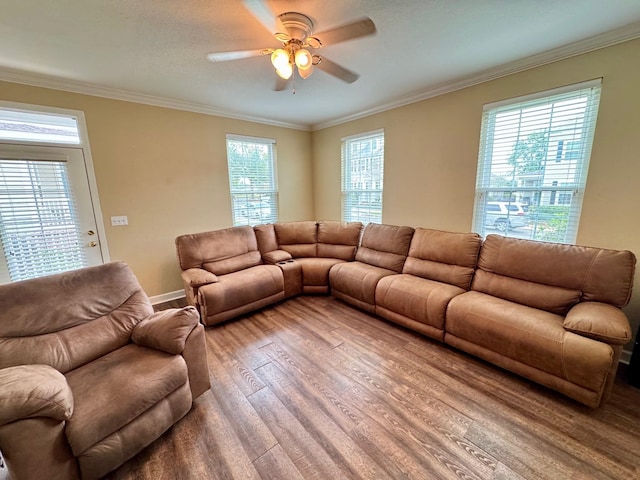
x,y
431,151
167,171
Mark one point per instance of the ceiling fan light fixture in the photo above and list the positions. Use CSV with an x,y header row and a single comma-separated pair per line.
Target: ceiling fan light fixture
x,y
303,59
294,31
306,72
285,71
280,59
313,42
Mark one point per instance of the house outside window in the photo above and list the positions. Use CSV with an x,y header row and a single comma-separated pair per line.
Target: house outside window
x,y
362,177
533,163
252,180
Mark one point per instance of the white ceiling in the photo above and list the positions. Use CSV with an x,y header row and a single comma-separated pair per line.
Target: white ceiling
x,y
154,51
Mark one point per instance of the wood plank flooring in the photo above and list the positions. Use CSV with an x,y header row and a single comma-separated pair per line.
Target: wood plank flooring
x,y
314,389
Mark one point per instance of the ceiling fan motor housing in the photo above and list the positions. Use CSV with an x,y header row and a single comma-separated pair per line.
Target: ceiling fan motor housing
x,y
298,26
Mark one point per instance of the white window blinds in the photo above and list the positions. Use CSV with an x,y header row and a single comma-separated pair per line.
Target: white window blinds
x,y
362,177
38,220
533,163
252,180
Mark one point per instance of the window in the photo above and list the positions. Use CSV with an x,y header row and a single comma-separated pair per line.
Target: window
x,y
39,225
50,219
362,175
29,126
533,163
252,180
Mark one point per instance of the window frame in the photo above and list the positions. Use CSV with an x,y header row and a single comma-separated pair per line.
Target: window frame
x,y
82,145
246,204
545,224
347,166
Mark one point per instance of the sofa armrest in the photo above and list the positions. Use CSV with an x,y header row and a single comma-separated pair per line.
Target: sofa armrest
x,y
197,277
193,279
599,321
276,256
28,391
195,356
166,330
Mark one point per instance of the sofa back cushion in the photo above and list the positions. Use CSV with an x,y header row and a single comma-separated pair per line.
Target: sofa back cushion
x,y
298,238
266,238
553,276
338,239
443,256
385,246
70,319
221,251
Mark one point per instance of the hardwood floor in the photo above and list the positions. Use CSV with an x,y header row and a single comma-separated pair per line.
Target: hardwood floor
x,y
314,389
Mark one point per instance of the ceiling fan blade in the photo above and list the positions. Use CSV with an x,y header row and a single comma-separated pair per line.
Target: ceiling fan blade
x,y
336,70
360,28
261,11
237,55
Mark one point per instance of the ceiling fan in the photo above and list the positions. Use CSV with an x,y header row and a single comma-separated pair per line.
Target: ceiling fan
x,y
294,30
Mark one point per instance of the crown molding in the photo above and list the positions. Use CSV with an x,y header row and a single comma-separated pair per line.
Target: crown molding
x,y
46,81
608,39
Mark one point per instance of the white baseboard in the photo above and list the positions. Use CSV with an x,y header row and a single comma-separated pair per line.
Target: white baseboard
x,y
166,297
625,357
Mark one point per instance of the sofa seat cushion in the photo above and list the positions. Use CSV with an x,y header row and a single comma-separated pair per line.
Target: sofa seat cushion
x,y
117,448
357,281
315,270
241,288
534,337
113,390
416,298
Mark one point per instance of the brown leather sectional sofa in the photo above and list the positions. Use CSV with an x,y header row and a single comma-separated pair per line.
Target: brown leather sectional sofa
x,y
549,312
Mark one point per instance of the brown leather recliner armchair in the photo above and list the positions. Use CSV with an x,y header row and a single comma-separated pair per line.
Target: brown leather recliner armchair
x,y
89,374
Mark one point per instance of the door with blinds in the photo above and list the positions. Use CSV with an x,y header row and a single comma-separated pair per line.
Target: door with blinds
x,y
47,224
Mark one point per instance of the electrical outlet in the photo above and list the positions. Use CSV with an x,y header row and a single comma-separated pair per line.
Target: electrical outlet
x,y
119,221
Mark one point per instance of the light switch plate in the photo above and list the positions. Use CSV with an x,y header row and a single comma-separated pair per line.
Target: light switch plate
x,y
119,221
